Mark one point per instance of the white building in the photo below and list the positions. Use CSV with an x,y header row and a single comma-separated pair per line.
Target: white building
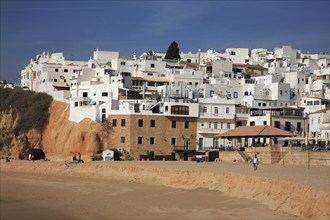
x,y
237,55
265,91
50,73
319,124
217,115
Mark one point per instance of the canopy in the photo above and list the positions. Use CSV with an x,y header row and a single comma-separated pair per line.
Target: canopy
x,y
256,131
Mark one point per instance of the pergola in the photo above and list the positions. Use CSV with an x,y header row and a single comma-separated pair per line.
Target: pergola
x,y
258,131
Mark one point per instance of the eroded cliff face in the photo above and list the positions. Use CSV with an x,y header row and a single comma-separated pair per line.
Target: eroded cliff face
x,y
60,138
16,146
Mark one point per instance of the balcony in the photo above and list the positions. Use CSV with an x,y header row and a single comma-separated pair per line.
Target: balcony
x,y
182,148
217,116
211,130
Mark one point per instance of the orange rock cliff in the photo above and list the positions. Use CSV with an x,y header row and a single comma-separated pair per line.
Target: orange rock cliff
x,y
59,139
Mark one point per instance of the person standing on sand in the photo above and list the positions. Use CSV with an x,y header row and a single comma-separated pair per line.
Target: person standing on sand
x,y
255,162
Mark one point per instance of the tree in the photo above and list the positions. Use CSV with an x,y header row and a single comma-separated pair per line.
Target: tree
x,y
173,51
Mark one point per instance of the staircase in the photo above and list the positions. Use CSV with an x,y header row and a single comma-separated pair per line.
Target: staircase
x,y
243,155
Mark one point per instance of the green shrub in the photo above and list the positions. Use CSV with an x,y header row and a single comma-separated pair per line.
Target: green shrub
x,y
97,157
32,108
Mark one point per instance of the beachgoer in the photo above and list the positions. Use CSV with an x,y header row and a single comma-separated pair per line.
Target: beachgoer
x,y
66,165
7,159
255,162
30,156
79,158
74,158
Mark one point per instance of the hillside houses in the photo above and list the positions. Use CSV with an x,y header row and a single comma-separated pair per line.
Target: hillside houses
x,y
173,107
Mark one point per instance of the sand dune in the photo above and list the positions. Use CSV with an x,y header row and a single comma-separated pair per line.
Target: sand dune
x,y
295,190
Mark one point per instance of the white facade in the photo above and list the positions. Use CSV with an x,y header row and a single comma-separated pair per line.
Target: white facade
x,y
237,55
221,67
265,91
217,115
50,73
319,124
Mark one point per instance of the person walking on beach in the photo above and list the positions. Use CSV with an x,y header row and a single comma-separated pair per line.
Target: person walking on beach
x,y
255,162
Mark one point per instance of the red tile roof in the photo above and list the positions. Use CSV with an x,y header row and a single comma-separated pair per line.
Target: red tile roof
x,y
256,131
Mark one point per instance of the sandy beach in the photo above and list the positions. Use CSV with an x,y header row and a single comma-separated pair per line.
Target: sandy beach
x,y
162,190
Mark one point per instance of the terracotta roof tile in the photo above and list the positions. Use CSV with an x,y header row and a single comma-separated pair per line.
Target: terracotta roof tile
x,y
256,131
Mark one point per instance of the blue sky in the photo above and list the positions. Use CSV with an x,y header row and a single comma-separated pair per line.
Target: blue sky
x,y
77,28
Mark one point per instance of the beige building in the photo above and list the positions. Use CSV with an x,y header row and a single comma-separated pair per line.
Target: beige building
x,y
154,136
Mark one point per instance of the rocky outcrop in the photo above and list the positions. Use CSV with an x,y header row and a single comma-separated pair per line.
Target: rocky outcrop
x,y
58,140
16,145
61,136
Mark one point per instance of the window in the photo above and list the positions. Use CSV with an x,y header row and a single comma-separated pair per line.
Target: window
x,y
232,53
186,124
104,110
204,109
235,95
173,124
215,125
152,140
65,70
139,140
114,122
316,102
152,123
252,123
123,122
228,125
287,126
173,141
104,94
216,110
179,110
309,102
200,143
299,126
122,63
75,104
122,140
227,110
281,92
277,124
152,65
56,70
140,122
265,122
211,93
